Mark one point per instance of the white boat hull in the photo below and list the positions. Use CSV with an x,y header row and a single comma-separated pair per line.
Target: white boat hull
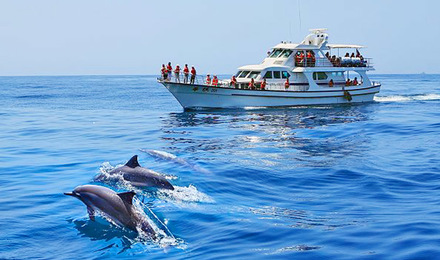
x,y
201,96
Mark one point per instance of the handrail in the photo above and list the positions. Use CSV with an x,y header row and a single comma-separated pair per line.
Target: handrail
x,y
337,62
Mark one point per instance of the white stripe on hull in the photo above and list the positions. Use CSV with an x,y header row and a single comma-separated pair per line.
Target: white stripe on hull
x,y
199,96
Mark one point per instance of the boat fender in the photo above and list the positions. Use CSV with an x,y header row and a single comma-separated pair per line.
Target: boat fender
x,y
347,95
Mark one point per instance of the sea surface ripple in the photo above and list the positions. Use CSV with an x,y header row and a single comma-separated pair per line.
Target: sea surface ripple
x,y
324,182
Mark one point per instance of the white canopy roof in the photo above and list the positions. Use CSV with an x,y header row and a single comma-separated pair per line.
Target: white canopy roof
x,y
346,46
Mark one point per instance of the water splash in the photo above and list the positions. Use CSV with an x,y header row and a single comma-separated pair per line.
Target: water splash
x,y
399,98
178,195
184,194
164,237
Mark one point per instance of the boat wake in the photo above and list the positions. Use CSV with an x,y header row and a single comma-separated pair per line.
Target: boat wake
x,y
399,98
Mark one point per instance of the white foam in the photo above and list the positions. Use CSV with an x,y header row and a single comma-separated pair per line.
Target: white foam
x,y
164,237
184,194
397,98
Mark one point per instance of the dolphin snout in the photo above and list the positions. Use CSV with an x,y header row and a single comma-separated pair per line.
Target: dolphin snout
x,y
73,194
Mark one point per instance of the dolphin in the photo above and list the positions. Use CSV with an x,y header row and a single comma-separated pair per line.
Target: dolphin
x,y
139,176
169,156
117,206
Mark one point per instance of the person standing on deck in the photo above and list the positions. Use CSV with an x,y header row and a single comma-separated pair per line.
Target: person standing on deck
x,y
193,74
287,83
164,72
252,84
208,80
186,74
177,73
170,70
234,82
215,81
263,85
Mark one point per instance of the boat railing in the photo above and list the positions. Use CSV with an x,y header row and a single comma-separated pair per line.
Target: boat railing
x,y
338,62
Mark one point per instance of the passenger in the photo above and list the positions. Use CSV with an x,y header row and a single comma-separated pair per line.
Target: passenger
x,y
215,81
164,72
301,59
331,83
313,59
338,62
186,74
193,74
355,81
352,55
208,80
234,82
347,55
286,84
263,85
309,59
170,70
333,60
177,73
297,59
252,84
327,55
348,82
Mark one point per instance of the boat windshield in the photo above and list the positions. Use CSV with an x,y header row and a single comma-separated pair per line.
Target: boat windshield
x,y
275,53
253,74
285,53
243,74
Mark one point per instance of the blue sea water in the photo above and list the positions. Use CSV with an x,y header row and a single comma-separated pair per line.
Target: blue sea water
x,y
339,182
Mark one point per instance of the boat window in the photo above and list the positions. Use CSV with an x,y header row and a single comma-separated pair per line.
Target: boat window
x,y
253,74
277,74
275,53
286,53
238,73
268,75
319,75
285,74
243,74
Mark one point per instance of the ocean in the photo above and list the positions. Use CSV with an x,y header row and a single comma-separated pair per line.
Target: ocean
x,y
324,182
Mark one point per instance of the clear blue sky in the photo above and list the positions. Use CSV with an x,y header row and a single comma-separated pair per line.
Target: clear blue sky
x,y
53,37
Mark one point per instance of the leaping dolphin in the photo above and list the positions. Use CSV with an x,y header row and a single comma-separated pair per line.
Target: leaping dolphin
x,y
117,206
139,176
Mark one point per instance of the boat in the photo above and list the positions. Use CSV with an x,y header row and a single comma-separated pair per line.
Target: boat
x,y
309,73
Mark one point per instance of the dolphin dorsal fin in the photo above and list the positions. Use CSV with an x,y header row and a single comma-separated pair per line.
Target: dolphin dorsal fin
x,y
133,162
127,197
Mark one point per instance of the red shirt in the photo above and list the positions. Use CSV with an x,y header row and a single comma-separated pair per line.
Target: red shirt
x,y
169,68
186,70
193,71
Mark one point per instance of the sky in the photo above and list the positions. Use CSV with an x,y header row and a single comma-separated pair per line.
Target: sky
x,y
105,37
